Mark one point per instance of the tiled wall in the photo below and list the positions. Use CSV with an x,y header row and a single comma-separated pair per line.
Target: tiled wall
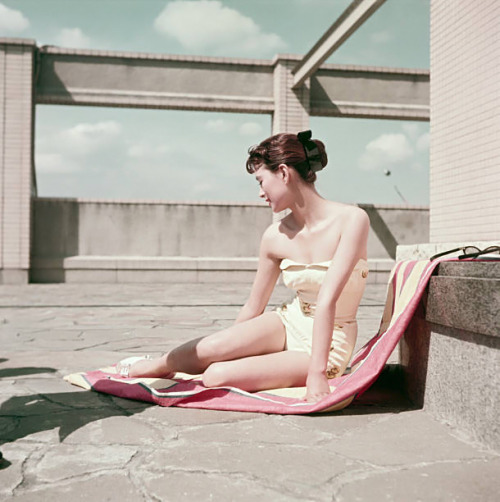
x,y
465,121
16,75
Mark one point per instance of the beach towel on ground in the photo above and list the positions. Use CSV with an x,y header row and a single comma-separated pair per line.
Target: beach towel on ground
x,y
406,285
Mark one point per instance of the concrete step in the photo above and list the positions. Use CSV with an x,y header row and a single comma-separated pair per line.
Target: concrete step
x,y
160,269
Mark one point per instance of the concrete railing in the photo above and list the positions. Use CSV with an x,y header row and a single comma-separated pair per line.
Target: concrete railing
x,y
78,240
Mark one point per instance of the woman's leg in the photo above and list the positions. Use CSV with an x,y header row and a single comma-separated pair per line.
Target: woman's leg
x,y
261,335
269,371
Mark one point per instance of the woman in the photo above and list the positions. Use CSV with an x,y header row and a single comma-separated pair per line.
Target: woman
x,y
320,247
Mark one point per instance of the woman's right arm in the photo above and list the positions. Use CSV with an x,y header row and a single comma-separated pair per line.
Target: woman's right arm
x,y
268,271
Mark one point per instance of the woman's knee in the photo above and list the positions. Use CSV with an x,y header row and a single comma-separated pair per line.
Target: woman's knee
x,y
212,346
216,375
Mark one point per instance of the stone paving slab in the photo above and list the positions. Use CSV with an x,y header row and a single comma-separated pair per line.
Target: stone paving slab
x,y
62,443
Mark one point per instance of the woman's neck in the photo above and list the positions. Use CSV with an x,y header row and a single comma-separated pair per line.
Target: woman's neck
x,y
308,207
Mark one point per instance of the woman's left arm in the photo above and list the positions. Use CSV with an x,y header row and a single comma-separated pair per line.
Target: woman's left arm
x,y
352,243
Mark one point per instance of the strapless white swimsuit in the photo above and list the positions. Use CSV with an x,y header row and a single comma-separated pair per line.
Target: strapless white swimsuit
x,y
298,314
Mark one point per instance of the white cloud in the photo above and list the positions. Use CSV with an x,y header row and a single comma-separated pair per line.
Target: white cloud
x,y
250,129
411,129
86,138
381,37
203,188
146,151
66,151
12,21
386,150
137,151
54,163
423,142
210,26
73,37
219,125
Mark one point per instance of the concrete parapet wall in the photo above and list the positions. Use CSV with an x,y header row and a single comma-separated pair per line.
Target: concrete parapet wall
x,y
392,226
113,241
67,227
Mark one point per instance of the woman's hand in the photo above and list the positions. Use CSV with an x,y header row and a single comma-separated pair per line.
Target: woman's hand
x,y
317,387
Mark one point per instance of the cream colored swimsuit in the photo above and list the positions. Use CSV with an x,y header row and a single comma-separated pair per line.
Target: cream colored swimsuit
x,y
298,314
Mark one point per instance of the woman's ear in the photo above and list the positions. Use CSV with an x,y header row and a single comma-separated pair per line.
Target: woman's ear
x,y
284,172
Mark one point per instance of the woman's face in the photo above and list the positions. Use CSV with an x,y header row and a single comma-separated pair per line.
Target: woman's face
x,y
273,188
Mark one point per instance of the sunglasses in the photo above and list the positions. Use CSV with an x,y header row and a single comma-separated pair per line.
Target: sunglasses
x,y
468,252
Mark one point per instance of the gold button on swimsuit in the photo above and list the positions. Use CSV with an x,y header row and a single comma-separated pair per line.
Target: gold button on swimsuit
x,y
298,314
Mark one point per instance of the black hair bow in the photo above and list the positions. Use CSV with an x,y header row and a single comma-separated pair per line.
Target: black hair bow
x,y
311,150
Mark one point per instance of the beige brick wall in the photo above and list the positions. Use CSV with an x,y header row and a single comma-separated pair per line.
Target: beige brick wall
x,y
16,112
291,112
465,121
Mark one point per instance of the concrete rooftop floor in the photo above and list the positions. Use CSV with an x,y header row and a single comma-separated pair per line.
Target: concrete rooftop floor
x,y
62,443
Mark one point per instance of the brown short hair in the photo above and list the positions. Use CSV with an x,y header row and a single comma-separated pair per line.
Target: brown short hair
x,y
286,149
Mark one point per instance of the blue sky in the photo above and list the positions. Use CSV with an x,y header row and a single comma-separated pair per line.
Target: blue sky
x,y
175,155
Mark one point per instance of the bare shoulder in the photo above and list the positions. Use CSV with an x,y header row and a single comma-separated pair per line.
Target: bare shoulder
x,y
349,214
355,228
272,231
270,239
353,234
356,215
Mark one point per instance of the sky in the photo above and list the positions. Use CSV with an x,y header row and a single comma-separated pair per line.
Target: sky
x,y
115,153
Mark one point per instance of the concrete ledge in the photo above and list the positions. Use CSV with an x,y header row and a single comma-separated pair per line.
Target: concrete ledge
x,y
157,276
466,296
13,276
17,41
117,269
451,351
136,269
426,250
380,264
380,270
159,263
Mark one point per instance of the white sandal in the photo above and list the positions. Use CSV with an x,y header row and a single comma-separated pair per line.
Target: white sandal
x,y
123,367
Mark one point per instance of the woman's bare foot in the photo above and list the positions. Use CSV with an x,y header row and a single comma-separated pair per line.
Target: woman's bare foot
x,y
146,367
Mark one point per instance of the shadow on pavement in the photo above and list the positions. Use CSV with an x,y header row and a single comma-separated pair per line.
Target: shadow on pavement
x,y
22,416
14,372
386,395
4,463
